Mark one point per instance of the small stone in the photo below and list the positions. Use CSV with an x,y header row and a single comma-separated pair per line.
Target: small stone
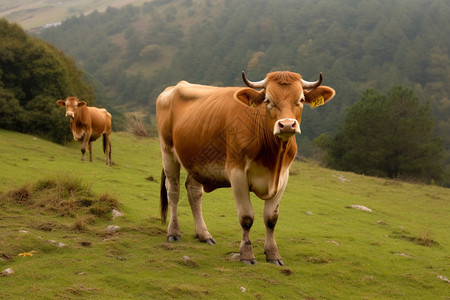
x,y
116,213
443,278
112,229
243,289
234,256
333,242
360,207
341,178
186,258
7,272
309,212
403,254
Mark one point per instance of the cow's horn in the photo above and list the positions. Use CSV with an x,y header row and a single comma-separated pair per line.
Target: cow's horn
x,y
312,85
256,85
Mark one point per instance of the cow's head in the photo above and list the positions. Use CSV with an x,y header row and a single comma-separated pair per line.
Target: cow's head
x,y
283,94
71,104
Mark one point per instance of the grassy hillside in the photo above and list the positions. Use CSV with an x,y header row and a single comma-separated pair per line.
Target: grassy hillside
x,y
37,13
331,251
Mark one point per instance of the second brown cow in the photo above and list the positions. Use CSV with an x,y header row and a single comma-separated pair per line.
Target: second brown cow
x,y
88,124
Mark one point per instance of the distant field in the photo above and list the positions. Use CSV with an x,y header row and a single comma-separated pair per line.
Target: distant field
x,y
33,14
331,251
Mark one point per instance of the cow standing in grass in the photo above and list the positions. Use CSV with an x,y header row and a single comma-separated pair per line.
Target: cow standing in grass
x,y
88,124
235,137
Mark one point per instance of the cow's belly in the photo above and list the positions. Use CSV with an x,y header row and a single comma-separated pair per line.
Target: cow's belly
x,y
212,176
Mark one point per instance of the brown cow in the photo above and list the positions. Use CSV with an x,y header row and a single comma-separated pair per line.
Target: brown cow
x,y
88,124
233,136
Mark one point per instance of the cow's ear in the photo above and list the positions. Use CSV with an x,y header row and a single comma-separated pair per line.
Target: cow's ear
x,y
61,103
250,97
81,103
319,96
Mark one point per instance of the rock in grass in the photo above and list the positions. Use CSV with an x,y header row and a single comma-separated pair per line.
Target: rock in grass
x,y
112,229
360,207
443,278
116,213
7,272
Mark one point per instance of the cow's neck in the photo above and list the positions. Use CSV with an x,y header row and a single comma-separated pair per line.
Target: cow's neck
x,y
274,152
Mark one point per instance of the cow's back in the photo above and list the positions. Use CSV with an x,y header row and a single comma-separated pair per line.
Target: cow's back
x,y
193,113
100,122
194,121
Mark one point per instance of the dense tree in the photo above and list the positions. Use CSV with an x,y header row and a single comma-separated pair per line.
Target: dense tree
x,y
33,75
387,135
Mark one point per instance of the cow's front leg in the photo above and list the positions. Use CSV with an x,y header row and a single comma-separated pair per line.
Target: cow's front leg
x,y
270,220
239,185
84,143
195,193
90,150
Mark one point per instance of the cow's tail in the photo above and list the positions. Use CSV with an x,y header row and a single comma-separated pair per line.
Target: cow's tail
x,y
164,203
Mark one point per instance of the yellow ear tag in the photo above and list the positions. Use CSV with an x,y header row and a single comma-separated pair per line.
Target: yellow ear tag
x,y
318,102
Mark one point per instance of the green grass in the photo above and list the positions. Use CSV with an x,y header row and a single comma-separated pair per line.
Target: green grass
x,y
395,252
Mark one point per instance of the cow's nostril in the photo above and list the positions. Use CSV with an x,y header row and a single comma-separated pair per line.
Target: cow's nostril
x,y
281,125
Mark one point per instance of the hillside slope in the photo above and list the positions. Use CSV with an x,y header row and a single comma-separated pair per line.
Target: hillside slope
x,y
331,251
37,14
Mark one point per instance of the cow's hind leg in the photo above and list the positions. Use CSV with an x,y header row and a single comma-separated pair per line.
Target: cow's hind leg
x,y
107,148
172,184
195,192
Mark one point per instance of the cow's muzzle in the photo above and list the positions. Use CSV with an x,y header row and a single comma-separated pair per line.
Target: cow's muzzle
x,y
70,114
286,128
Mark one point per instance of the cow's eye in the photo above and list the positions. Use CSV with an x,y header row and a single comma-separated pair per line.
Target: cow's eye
x,y
267,101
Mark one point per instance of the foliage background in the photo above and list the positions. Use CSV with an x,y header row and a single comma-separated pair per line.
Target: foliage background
x,y
135,52
386,135
33,75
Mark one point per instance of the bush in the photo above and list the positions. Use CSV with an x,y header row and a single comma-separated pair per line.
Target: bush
x,y
387,135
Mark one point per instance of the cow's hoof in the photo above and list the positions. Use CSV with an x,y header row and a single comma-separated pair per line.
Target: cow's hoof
x,y
277,262
209,241
173,238
249,262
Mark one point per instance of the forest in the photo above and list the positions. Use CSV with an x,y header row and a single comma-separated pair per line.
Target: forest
x,y
129,55
132,54
33,75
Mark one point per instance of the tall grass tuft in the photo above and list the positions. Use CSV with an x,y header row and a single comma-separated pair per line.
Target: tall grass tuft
x,y
135,125
65,195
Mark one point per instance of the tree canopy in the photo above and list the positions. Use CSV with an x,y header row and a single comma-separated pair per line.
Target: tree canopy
x,y
33,75
387,135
